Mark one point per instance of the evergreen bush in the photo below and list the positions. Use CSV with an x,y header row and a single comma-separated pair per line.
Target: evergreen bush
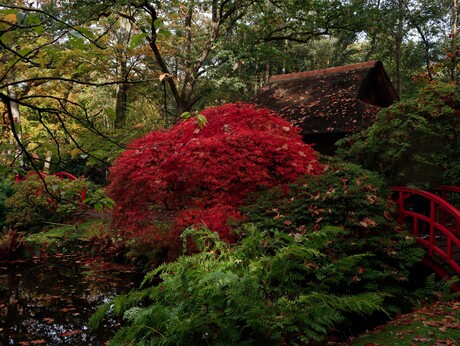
x,y
357,201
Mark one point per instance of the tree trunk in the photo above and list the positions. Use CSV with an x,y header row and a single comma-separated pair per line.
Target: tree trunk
x,y
121,106
186,94
47,164
16,115
399,35
454,43
122,41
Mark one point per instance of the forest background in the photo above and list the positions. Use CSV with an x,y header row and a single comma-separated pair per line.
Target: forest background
x,y
79,79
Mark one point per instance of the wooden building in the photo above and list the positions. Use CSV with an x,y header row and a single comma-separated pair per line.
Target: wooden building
x,y
328,104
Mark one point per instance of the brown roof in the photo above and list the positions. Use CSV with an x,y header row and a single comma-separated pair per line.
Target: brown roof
x,y
338,99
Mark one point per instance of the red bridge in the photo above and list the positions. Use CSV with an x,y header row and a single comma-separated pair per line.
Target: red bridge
x,y
434,220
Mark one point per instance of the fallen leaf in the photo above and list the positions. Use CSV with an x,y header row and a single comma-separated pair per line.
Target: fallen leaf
x,y
448,342
422,339
431,323
38,341
68,309
70,333
404,332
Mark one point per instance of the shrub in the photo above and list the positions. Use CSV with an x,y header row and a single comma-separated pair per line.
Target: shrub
x,y
204,173
6,190
356,200
416,141
344,195
31,205
262,291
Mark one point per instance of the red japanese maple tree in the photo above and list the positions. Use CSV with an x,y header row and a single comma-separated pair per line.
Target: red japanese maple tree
x,y
203,174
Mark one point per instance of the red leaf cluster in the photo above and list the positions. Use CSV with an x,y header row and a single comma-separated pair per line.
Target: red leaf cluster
x,y
203,175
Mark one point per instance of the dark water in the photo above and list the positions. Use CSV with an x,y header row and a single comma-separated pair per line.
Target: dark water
x,y
49,301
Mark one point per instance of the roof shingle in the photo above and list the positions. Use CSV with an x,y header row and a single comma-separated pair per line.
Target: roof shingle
x,y
338,99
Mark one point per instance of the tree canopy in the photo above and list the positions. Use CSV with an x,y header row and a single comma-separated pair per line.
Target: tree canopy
x,y
414,142
79,79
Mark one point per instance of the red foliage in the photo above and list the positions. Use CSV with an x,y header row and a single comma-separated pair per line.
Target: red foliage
x,y
204,175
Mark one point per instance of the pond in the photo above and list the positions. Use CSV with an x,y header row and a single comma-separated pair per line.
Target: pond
x,y
50,300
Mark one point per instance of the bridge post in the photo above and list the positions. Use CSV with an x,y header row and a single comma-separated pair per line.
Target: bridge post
x,y
443,211
432,228
401,208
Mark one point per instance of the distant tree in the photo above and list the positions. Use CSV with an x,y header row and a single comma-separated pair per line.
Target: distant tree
x,y
409,40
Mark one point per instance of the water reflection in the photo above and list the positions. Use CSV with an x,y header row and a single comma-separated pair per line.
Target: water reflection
x,y
49,301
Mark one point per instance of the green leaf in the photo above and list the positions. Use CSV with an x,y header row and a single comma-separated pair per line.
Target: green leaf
x,y
164,32
24,52
201,119
86,32
110,112
76,40
33,19
39,29
7,38
158,23
137,40
186,115
21,17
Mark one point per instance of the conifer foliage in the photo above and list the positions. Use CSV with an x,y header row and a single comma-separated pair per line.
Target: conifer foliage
x,y
202,174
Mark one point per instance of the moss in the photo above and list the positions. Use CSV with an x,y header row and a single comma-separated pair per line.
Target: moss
x,y
66,238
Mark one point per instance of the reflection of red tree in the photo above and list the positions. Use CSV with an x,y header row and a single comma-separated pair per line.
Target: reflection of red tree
x,y
205,174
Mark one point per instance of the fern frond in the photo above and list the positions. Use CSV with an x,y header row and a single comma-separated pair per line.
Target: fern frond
x,y
98,316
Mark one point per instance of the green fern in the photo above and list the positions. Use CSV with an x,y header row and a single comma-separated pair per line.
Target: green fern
x,y
434,288
264,289
98,316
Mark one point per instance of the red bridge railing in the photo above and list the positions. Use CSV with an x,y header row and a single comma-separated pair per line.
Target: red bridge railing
x,y
60,175
450,194
433,221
